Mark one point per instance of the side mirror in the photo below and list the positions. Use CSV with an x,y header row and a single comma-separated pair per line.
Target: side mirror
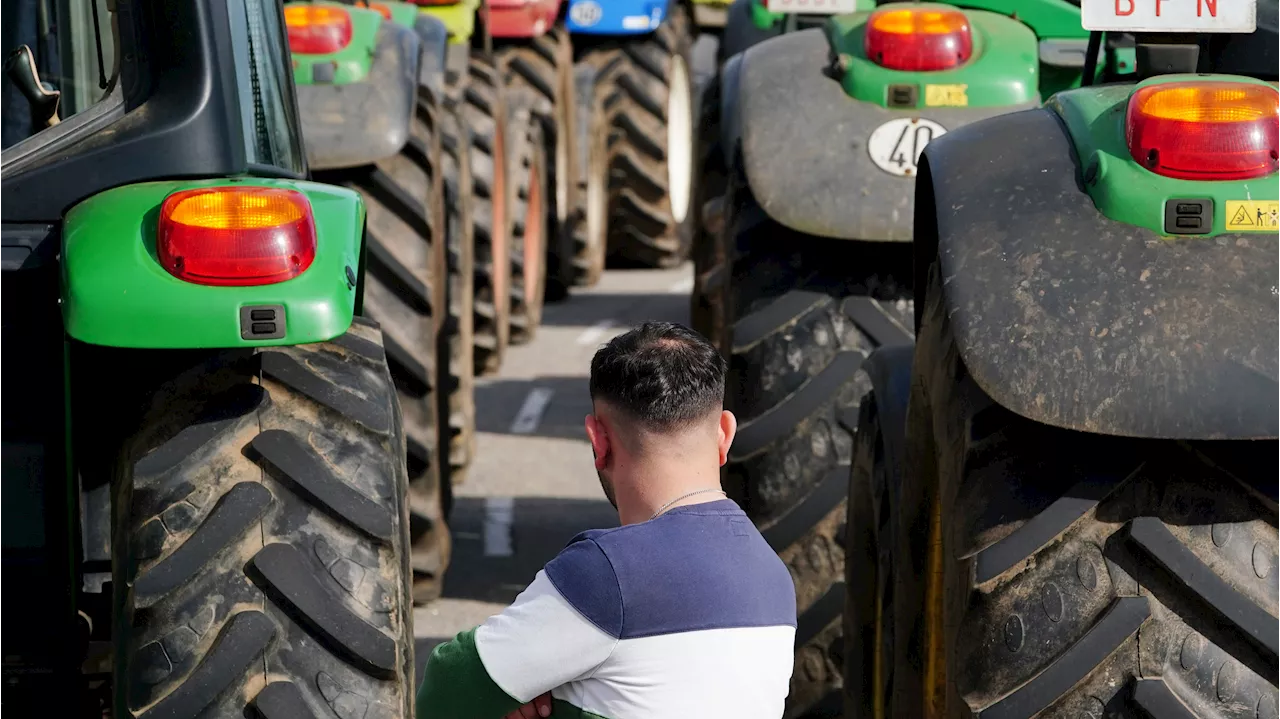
x,y
20,67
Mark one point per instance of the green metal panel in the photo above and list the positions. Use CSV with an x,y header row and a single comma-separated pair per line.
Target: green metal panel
x,y
1124,190
459,19
116,293
1003,70
1046,18
351,63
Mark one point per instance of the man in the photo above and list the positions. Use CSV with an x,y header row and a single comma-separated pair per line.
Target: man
x,y
683,611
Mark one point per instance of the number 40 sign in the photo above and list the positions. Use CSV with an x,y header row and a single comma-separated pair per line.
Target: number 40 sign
x,y
895,146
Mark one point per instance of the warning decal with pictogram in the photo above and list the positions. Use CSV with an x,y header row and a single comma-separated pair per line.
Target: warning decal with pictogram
x,y
1253,216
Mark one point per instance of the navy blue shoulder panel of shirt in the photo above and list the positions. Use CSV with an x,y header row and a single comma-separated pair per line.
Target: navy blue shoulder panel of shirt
x,y
701,566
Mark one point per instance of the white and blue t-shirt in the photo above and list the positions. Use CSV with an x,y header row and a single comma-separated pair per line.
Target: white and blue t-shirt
x,y
690,614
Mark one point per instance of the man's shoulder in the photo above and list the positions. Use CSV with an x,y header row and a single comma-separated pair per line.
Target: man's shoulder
x,y
697,569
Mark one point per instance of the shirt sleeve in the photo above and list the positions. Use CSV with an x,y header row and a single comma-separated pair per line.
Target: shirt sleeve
x,y
560,629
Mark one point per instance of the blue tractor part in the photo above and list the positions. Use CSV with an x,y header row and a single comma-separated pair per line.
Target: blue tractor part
x,y
637,114
615,17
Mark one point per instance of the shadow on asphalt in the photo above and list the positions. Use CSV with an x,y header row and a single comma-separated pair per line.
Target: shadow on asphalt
x,y
498,402
542,526
586,310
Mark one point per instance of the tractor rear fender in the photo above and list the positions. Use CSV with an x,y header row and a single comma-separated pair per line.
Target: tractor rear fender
x,y
362,122
1073,320
116,293
804,143
522,18
434,36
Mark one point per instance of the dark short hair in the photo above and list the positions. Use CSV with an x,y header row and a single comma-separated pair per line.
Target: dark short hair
x,y
661,374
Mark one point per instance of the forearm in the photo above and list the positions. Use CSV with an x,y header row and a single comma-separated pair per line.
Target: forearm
x,y
457,686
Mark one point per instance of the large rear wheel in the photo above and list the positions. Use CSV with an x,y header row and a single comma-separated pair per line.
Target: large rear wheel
x,y
1065,574
803,313
706,306
528,173
260,544
539,76
484,111
589,221
647,86
405,292
459,413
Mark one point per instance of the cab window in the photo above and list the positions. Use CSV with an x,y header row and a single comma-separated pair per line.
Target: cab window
x,y
267,99
73,46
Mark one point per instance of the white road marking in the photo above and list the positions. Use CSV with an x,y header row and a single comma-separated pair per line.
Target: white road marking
x,y
593,333
499,515
530,414
681,287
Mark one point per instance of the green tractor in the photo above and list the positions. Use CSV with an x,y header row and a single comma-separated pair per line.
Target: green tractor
x,y
817,135
375,119
1063,500
203,448
511,217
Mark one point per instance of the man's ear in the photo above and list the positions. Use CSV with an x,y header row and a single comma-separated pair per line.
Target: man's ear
x,y
599,439
728,429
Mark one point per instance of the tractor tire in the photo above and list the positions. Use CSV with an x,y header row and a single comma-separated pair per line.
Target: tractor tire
x,y
875,475
405,291
460,409
484,111
539,76
261,539
1065,574
528,176
588,224
804,312
647,86
706,308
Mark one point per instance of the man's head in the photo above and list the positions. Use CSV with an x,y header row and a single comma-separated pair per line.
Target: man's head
x,y
657,394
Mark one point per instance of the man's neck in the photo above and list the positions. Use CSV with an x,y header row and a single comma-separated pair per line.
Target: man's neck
x,y
644,494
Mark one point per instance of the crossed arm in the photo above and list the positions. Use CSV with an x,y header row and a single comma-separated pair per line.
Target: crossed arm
x,y
507,667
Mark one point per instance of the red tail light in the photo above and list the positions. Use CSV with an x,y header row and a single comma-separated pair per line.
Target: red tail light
x,y
918,39
1204,130
317,29
236,235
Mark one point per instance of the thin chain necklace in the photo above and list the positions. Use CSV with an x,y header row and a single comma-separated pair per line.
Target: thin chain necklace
x,y
663,508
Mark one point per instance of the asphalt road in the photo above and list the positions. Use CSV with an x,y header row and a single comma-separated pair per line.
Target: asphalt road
x,y
532,486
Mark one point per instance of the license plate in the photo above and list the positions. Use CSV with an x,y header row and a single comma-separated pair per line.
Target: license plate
x,y
1236,16
812,7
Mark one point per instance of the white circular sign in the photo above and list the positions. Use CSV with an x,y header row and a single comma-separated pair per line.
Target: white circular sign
x,y
586,13
895,146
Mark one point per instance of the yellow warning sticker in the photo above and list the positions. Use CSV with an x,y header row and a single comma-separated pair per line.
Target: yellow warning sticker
x,y
1251,216
946,95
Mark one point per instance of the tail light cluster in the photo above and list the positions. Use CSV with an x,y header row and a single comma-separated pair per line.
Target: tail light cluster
x,y
317,29
1210,130
237,236
918,39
